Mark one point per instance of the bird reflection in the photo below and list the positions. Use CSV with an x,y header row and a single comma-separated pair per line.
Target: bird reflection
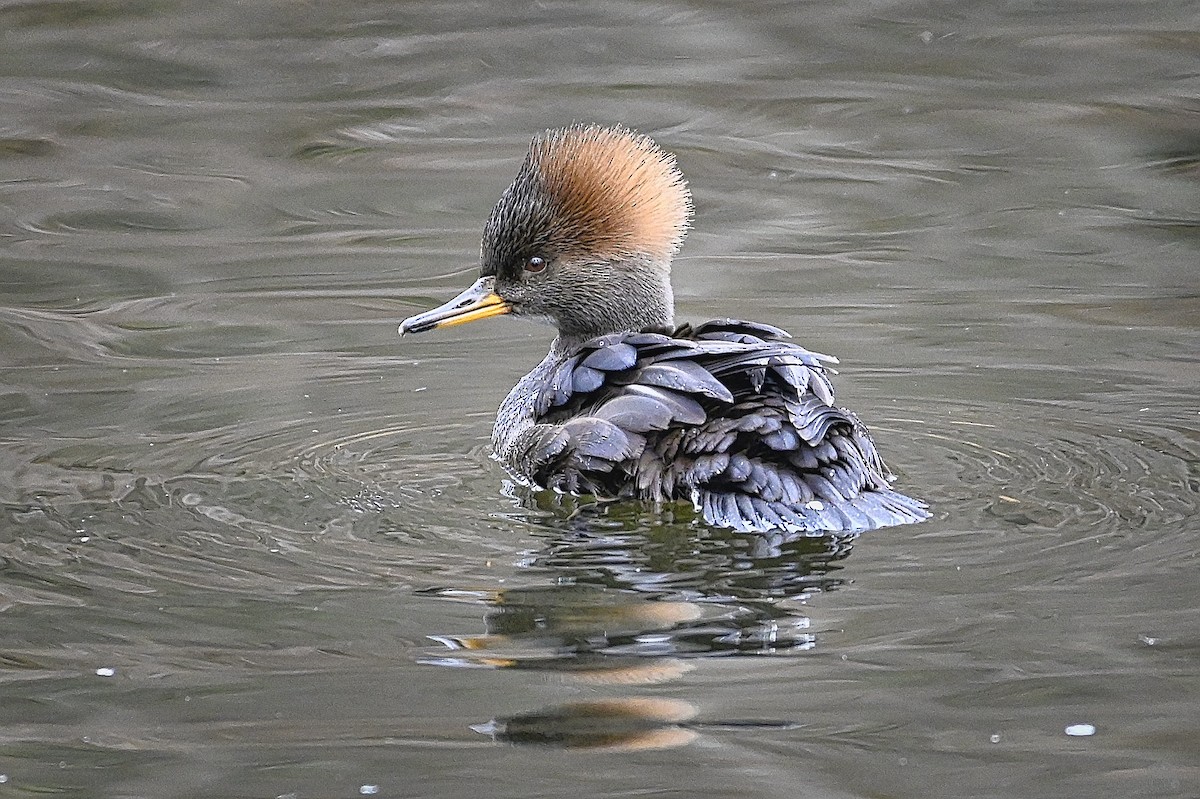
x,y
630,596
621,585
587,633
612,724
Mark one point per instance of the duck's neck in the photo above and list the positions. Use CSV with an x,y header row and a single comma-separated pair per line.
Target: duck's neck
x,y
629,305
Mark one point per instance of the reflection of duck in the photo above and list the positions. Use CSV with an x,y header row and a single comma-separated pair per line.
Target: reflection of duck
x,y
636,605
590,634
620,601
627,724
729,415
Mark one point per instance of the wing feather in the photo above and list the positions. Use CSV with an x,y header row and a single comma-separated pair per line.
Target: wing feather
x,y
731,415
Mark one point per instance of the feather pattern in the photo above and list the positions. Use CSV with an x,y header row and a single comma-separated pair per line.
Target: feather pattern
x,y
729,415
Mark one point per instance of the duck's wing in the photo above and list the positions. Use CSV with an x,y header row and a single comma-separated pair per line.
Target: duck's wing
x,y
731,415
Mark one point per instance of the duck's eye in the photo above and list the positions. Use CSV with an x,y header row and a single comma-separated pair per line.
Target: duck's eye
x,y
535,263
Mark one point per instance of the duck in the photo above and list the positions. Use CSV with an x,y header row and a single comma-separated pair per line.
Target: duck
x,y
730,416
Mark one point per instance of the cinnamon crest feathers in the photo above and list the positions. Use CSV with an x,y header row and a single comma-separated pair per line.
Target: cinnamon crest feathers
x,y
601,193
614,193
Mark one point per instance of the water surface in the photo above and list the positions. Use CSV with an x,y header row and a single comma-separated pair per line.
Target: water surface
x,y
252,543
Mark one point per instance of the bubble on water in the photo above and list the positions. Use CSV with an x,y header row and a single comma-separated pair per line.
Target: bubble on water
x,y
995,738
105,671
1080,730
368,790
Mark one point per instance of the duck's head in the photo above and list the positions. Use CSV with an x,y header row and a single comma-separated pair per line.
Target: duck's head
x,y
584,236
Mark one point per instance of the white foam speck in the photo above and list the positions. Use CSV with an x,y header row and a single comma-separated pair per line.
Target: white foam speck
x,y
1080,730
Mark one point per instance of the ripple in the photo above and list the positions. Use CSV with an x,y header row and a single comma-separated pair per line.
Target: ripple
x,y
34,283
334,152
238,502
11,147
114,221
72,12
1065,468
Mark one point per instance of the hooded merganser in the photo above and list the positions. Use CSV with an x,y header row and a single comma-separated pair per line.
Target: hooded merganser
x,y
729,415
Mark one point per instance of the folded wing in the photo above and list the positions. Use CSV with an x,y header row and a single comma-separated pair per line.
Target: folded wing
x,y
732,416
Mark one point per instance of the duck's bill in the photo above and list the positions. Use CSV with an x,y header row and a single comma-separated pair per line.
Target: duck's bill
x,y
477,302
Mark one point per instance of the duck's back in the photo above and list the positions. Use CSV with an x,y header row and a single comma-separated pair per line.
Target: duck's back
x,y
731,416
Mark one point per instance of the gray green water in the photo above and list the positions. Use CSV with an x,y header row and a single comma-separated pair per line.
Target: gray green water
x,y
251,543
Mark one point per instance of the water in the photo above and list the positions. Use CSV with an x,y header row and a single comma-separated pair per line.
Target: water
x,y
252,544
